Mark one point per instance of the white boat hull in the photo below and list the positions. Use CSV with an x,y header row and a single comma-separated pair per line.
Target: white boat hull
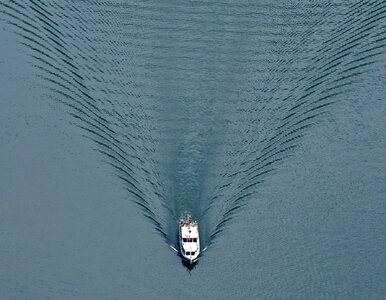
x,y
189,240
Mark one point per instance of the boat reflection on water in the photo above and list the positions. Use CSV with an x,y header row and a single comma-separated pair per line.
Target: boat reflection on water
x,y
188,265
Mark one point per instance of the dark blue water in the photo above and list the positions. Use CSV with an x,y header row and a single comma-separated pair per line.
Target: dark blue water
x,y
265,120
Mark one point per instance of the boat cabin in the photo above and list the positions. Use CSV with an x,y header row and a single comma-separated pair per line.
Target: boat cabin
x,y
189,240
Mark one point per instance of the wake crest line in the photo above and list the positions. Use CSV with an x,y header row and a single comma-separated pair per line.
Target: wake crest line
x,y
355,45
37,23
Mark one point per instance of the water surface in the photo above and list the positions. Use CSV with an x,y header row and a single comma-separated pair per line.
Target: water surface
x,y
264,120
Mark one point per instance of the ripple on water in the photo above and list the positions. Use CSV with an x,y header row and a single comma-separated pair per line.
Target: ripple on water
x,y
194,104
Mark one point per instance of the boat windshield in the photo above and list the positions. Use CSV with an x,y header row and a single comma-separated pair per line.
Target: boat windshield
x,y
189,240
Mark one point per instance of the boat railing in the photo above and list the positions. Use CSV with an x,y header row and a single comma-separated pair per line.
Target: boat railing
x,y
188,222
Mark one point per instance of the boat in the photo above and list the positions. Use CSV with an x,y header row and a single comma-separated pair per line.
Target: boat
x,y
189,239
